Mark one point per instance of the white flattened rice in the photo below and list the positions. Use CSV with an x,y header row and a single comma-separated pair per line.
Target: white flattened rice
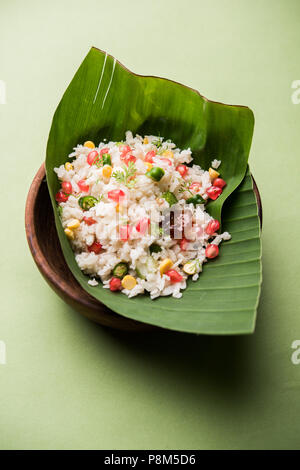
x,y
115,209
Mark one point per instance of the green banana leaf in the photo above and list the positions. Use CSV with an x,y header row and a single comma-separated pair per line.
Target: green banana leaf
x,y
104,100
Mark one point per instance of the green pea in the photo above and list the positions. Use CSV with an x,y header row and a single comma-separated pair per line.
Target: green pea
x,y
87,202
197,199
120,270
156,173
170,198
106,159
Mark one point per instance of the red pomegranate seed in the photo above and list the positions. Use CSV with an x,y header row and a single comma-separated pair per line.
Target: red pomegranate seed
x,y
89,220
96,247
149,156
115,284
61,196
129,158
213,192
83,186
195,186
219,183
92,157
66,187
124,149
116,194
182,170
174,276
212,227
167,160
142,225
211,251
125,232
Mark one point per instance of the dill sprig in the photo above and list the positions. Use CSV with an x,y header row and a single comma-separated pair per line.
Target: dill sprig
x,y
157,141
162,149
128,176
185,186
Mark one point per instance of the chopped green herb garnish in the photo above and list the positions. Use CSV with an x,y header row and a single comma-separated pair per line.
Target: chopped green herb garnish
x,y
128,176
170,198
185,185
161,150
154,248
157,142
196,199
105,159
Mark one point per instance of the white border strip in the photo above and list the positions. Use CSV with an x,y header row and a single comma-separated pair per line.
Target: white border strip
x,y
112,74
100,80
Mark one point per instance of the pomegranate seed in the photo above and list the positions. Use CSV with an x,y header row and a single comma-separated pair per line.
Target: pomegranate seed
x,y
92,157
149,156
219,183
167,160
96,247
116,194
174,276
115,284
142,225
195,187
212,227
182,170
213,192
124,149
125,232
83,186
89,220
211,251
183,244
66,187
129,158
61,196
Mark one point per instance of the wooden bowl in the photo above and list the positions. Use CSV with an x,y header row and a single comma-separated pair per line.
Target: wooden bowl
x,y
47,254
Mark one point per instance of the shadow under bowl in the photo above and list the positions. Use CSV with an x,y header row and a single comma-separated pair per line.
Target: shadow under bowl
x,y
46,251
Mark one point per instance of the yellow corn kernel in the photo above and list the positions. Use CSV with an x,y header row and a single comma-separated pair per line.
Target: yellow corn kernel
x,y
148,165
165,265
213,174
68,166
73,224
89,144
69,233
168,154
107,170
120,208
146,141
128,282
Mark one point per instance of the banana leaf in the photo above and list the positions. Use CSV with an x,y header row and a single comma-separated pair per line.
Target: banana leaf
x,y
105,99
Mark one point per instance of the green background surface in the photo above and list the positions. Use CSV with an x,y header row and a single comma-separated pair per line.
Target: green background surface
x,y
70,384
